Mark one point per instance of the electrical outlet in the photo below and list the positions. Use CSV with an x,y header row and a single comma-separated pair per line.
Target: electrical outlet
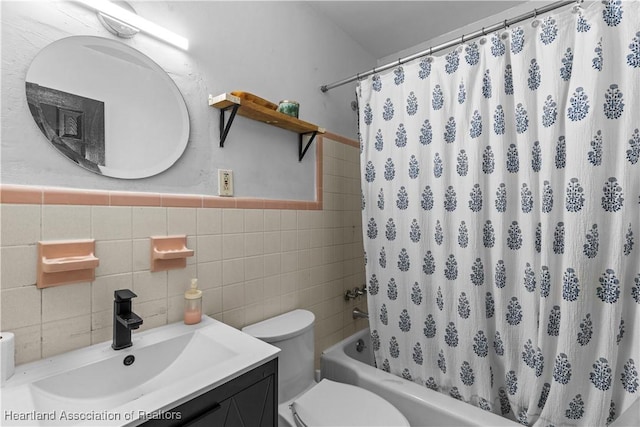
x,y
225,182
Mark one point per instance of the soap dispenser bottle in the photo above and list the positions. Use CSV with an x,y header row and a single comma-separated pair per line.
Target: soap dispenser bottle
x,y
193,304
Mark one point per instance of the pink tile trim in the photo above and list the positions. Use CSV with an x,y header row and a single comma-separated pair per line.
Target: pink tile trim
x,y
21,195
286,204
275,204
319,170
48,196
249,203
135,199
181,201
218,202
296,205
342,139
63,196
37,196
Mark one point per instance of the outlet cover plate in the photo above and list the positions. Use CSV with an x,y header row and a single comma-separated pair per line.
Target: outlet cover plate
x,y
225,182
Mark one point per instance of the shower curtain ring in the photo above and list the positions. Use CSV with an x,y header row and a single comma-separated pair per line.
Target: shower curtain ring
x,y
535,13
462,39
483,33
506,25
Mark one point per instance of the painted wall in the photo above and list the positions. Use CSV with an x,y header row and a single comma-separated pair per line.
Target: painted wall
x,y
277,50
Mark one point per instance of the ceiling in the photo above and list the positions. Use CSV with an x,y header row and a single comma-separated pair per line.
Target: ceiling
x,y
383,28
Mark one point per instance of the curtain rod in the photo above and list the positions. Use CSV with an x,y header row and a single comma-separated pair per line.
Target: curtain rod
x,y
458,40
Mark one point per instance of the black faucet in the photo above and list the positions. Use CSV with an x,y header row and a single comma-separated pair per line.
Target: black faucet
x,y
124,320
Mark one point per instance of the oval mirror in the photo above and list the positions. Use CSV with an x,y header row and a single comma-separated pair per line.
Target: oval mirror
x,y
107,107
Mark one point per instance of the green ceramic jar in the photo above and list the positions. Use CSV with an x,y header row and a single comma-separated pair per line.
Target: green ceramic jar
x,y
290,108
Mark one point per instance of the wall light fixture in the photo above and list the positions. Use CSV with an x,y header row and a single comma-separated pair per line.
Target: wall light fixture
x,y
130,19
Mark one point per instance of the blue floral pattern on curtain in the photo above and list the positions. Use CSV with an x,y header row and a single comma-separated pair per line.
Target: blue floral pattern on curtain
x,y
501,212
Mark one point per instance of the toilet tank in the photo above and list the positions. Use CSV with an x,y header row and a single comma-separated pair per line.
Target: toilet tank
x,y
292,333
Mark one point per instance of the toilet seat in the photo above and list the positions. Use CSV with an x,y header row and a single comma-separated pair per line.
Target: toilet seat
x,y
331,403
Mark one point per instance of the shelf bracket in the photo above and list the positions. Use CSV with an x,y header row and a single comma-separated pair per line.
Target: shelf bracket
x,y
302,152
224,129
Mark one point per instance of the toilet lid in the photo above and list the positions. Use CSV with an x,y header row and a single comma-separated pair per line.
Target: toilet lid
x,y
281,327
336,404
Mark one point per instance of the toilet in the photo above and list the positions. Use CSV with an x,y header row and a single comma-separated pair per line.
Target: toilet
x,y
303,402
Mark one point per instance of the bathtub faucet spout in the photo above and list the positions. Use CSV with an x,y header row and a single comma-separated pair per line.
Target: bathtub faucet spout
x,y
359,314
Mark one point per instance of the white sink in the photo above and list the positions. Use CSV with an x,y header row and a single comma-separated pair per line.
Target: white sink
x,y
110,382
171,365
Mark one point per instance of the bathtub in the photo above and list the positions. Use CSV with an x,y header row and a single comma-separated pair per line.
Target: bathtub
x,y
420,405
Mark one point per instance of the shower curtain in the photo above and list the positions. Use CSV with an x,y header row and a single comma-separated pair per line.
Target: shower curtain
x,y
501,215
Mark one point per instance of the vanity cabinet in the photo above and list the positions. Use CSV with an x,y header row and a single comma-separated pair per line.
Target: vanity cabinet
x,y
251,400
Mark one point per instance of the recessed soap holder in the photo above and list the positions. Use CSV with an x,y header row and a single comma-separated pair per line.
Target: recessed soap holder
x,y
66,261
169,252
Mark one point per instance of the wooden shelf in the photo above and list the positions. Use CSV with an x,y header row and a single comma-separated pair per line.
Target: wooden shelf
x,y
254,111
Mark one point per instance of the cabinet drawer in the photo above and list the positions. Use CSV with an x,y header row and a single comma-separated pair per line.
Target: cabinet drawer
x,y
249,400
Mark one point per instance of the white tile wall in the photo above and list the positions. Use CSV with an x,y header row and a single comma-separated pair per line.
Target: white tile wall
x,y
60,335
111,223
15,271
181,221
149,222
21,225
232,221
66,222
209,221
251,264
116,256
64,302
253,220
21,307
